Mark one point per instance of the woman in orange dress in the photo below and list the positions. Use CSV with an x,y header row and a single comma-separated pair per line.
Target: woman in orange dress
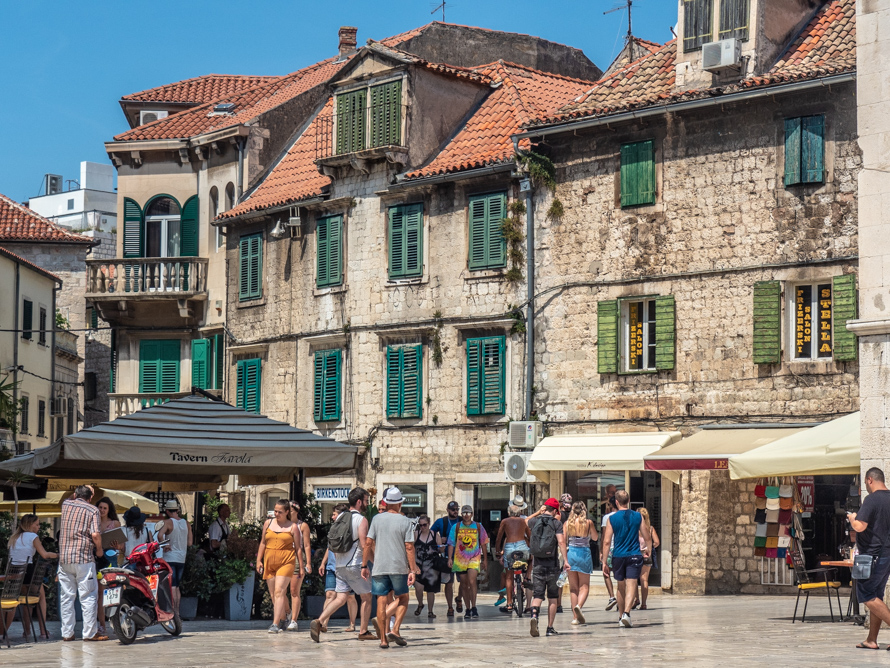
x,y
279,553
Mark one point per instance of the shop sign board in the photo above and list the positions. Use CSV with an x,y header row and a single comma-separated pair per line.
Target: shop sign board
x,y
332,494
806,492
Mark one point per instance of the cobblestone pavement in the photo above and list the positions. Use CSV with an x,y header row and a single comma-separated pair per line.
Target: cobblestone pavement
x,y
689,631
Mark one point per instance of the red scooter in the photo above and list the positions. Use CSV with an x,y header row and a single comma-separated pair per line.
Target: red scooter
x,y
140,594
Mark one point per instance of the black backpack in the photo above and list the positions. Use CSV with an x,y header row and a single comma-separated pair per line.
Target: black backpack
x,y
543,540
340,534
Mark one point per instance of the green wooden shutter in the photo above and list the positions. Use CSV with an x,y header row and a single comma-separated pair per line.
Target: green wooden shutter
x,y
239,384
201,363
412,381
327,385
767,322
393,382
318,387
665,332
250,265
396,242
844,303
406,241
497,245
149,366
112,385
94,318
248,384
322,252
493,375
477,233
351,109
474,376
638,173
169,366
329,246
792,151
812,151
607,336
385,111
218,360
189,228
27,319
133,229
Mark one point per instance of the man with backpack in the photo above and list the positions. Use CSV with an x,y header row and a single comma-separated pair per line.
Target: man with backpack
x,y
547,543
347,541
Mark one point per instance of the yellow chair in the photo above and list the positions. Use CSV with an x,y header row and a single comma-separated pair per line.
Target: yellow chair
x,y
31,598
814,580
9,597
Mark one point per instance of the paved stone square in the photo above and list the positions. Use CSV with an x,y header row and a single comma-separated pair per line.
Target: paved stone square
x,y
712,631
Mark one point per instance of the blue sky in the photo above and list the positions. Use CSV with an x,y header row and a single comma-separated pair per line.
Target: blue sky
x,y
65,65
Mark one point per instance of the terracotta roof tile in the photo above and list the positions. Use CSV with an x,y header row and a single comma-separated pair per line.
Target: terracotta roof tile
x,y
827,45
18,258
198,90
20,224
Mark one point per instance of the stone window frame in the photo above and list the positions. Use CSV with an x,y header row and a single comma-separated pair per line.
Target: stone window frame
x,y
658,135
827,185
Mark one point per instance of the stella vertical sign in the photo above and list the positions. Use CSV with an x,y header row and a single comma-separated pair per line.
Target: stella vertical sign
x,y
824,320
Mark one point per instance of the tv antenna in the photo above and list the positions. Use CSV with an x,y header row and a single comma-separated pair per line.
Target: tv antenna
x,y
442,7
630,38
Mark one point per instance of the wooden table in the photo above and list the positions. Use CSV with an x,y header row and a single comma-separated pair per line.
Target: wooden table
x,y
853,605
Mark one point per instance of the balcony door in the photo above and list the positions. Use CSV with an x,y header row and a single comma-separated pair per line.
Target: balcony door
x,y
163,239
159,363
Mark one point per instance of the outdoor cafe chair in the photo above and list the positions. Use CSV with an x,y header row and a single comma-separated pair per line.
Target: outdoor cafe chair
x,y
31,598
9,596
812,580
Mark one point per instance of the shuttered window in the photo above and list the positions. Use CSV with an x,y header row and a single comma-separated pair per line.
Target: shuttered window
x,y
27,319
488,249
25,415
607,336
696,23
636,335
327,385
41,417
133,231
250,258
385,112
188,228
845,301
217,365
248,384
767,322
350,130
329,240
734,19
638,173
159,367
41,325
486,375
404,381
112,375
406,241
804,150
818,314
93,317
201,363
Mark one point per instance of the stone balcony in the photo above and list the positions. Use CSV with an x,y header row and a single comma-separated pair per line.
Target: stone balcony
x,y
126,404
162,291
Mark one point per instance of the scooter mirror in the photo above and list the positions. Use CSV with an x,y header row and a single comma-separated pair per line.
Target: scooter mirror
x,y
159,525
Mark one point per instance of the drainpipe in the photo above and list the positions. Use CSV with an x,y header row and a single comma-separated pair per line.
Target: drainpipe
x,y
16,335
239,189
525,187
52,373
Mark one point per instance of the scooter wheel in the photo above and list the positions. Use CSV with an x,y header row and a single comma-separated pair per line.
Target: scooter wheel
x,y
124,627
173,626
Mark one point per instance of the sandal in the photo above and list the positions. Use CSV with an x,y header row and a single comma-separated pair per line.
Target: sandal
x,y
460,606
643,607
367,635
430,615
862,645
350,629
419,610
450,612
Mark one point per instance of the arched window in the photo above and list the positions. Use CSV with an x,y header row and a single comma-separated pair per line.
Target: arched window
x,y
163,234
230,196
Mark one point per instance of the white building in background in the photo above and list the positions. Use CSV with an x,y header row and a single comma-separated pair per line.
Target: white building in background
x,y
88,207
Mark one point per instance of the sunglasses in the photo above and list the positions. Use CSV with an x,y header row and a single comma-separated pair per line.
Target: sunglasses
x,y
470,514
423,525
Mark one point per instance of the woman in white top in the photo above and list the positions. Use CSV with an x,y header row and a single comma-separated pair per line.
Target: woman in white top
x,y
23,544
179,533
137,532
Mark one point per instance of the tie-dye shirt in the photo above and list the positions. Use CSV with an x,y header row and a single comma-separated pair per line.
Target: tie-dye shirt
x,y
467,542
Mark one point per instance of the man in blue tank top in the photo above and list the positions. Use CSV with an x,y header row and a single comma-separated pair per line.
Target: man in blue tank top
x,y
626,526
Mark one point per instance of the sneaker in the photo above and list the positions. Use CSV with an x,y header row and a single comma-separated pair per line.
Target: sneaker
x,y
575,622
552,631
534,628
501,601
558,609
612,603
625,621
474,611
274,629
469,613
293,626
579,616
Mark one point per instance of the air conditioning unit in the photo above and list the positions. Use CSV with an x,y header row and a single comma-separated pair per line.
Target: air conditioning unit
x,y
58,406
723,55
525,435
516,466
52,184
151,116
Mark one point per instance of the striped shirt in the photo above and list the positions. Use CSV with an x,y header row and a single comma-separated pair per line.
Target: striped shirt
x,y
79,521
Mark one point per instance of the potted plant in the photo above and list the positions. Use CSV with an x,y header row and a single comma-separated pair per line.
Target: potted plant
x,y
235,574
194,585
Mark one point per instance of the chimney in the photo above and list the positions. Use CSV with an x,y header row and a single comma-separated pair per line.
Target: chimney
x,y
347,39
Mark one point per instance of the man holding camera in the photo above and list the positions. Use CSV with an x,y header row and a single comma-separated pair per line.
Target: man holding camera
x,y
872,526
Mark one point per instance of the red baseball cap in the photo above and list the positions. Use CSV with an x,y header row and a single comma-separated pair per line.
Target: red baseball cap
x,y
552,503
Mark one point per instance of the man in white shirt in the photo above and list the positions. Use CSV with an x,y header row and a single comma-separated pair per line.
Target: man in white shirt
x,y
219,530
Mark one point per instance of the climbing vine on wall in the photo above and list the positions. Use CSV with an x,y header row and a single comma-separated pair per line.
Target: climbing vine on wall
x,y
511,228
542,172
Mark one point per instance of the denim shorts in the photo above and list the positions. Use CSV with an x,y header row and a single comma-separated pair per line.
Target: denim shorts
x,y
869,590
580,559
544,581
176,569
330,581
510,548
381,585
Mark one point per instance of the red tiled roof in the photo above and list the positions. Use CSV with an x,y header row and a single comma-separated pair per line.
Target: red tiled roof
x,y
18,258
248,105
294,179
198,90
20,224
827,45
524,94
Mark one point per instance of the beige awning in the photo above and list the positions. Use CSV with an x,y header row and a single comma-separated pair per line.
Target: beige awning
x,y
710,449
598,452
51,504
829,449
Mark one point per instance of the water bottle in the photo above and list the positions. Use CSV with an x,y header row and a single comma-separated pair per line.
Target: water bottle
x,y
562,579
